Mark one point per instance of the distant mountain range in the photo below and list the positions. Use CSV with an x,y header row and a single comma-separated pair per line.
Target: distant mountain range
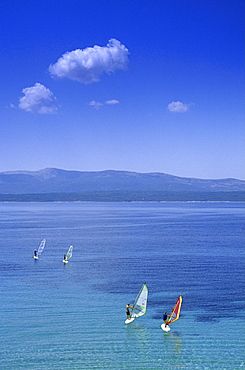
x,y
52,180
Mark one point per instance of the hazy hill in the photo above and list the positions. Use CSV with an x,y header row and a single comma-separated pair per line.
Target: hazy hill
x,y
52,180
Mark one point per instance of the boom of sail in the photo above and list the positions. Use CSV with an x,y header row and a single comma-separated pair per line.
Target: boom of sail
x,y
140,303
176,311
41,247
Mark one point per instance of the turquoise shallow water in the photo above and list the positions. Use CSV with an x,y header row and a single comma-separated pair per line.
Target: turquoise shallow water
x,y
56,316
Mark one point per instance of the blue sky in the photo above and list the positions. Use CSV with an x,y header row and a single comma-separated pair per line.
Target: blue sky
x,y
145,86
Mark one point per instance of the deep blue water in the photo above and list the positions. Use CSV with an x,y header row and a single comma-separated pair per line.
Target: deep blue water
x,y
56,316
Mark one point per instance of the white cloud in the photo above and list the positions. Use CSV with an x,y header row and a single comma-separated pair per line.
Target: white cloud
x,y
95,104
87,65
177,106
38,99
112,102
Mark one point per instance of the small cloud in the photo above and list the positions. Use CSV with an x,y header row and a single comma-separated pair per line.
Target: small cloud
x,y
95,104
177,106
87,65
38,99
112,102
12,106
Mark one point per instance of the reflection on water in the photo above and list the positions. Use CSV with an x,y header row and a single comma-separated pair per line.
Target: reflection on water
x,y
140,343
173,346
137,335
174,341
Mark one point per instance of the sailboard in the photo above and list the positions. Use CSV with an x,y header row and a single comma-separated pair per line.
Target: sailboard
x,y
68,254
174,314
139,306
40,249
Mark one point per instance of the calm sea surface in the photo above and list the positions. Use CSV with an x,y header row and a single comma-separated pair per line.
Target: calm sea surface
x,y
56,316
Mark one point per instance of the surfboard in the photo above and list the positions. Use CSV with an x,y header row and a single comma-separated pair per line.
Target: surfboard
x,y
65,261
35,257
128,321
165,328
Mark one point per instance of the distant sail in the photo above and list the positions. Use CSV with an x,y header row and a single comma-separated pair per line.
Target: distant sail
x,y
69,253
140,302
41,247
176,311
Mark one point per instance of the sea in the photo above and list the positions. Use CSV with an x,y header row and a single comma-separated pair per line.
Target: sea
x,y
57,316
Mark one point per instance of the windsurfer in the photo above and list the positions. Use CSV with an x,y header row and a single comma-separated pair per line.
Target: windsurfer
x,y
128,314
35,253
65,258
165,318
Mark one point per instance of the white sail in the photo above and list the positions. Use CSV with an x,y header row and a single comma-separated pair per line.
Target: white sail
x,y
139,306
69,252
41,247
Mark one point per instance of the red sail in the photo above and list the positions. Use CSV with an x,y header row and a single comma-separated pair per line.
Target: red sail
x,y
176,311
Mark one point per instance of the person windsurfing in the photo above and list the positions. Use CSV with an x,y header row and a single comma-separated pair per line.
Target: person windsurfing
x,y
128,314
165,318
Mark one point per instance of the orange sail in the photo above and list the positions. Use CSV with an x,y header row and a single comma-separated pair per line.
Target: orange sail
x,y
176,311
